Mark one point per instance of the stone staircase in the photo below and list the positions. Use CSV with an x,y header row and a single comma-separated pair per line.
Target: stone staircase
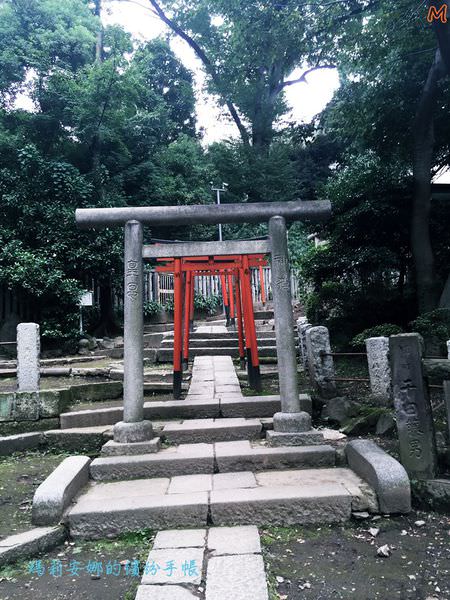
x,y
216,340
215,467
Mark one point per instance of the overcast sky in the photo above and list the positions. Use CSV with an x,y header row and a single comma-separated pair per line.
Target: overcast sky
x,y
305,100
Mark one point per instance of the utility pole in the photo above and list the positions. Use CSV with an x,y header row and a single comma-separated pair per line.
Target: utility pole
x,y
218,190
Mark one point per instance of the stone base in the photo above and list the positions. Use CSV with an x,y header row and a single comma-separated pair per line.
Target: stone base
x,y
303,438
291,422
113,448
128,433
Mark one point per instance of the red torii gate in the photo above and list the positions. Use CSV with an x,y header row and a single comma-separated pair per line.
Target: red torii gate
x,y
234,272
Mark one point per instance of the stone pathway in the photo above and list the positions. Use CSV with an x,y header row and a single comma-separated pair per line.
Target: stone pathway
x,y
219,563
211,329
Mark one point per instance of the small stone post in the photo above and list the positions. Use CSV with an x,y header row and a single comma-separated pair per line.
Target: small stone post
x,y
133,428
291,426
302,327
28,352
447,406
320,363
412,406
379,369
448,349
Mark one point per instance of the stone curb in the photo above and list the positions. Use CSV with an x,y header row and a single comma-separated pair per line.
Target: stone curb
x,y
30,543
54,495
385,474
20,441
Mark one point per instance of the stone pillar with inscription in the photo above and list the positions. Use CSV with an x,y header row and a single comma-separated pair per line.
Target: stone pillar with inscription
x,y
291,426
412,406
133,428
379,369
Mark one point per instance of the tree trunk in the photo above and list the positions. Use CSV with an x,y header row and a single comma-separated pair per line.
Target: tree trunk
x,y
426,284
107,325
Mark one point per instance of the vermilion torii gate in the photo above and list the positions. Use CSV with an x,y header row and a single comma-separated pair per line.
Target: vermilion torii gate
x,y
234,271
290,423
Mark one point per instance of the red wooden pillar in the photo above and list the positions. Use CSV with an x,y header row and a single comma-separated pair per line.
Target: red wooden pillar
x,y
223,283
252,359
177,328
187,317
240,327
191,304
261,283
231,297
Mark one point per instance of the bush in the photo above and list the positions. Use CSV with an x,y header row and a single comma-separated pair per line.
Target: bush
x,y
385,330
434,327
152,308
207,304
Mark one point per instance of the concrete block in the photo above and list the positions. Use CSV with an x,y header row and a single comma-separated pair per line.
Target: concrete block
x,y
239,577
18,442
54,495
385,474
178,556
285,505
164,592
91,519
182,460
53,402
30,543
233,540
180,538
26,407
251,406
190,408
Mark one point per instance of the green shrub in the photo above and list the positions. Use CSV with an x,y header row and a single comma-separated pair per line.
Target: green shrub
x,y
434,327
386,330
152,308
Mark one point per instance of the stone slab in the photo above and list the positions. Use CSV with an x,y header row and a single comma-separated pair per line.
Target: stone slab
x,y
190,483
56,492
241,456
164,592
7,404
226,481
180,538
98,519
18,442
385,474
53,402
112,448
250,406
178,556
281,505
211,431
303,438
125,489
26,406
233,540
30,543
239,577
185,459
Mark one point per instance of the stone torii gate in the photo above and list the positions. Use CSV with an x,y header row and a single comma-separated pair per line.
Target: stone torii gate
x,y
291,422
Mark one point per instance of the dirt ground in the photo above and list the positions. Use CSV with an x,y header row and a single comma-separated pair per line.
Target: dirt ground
x,y
341,562
104,570
20,475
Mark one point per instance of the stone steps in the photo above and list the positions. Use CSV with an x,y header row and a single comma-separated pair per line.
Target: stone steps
x,y
208,431
166,354
215,342
224,457
262,498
